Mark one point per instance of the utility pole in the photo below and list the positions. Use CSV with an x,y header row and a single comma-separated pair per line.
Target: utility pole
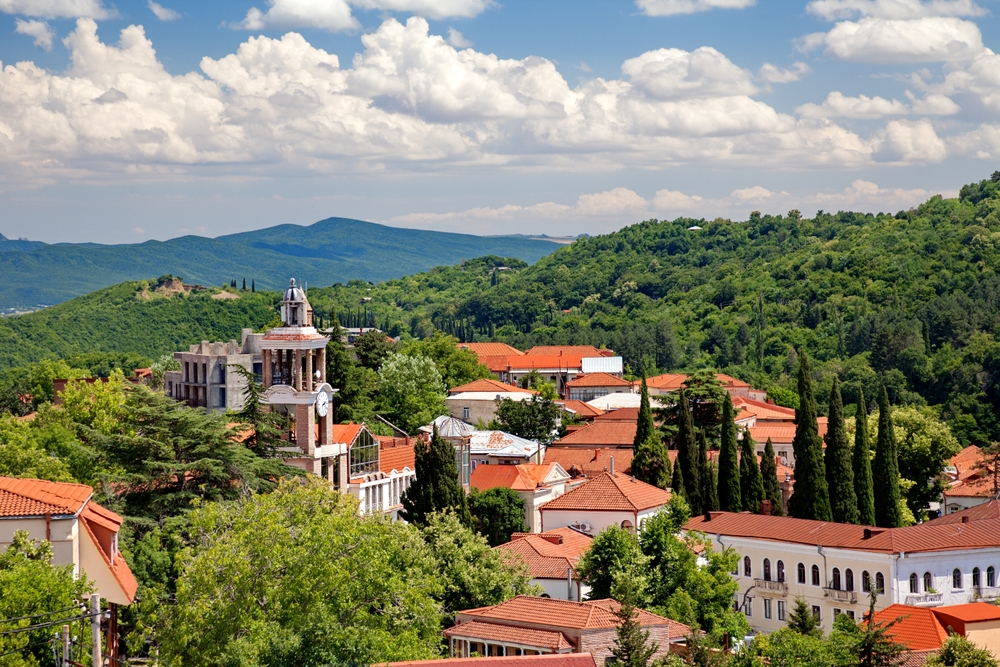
x,y
65,645
95,628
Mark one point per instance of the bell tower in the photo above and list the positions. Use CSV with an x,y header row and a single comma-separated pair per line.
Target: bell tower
x,y
294,370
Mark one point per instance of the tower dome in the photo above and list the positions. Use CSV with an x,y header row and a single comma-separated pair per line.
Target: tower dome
x,y
295,308
293,293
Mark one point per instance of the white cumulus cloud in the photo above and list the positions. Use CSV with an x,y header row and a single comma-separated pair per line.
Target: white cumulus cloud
x,y
904,141
671,7
774,74
838,105
670,74
57,9
40,30
875,40
833,10
161,12
457,39
336,15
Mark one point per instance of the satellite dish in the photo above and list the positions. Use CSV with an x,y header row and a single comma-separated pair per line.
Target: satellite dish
x,y
784,460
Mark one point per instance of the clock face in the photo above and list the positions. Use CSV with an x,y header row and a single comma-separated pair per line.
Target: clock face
x,y
322,404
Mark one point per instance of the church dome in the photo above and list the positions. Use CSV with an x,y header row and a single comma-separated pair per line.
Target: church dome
x,y
293,293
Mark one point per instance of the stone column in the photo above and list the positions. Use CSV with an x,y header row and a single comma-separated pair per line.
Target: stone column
x,y
266,367
309,370
344,476
321,362
297,371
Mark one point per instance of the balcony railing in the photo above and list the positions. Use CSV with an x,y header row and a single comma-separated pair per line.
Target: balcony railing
x,y
986,592
924,599
851,597
779,587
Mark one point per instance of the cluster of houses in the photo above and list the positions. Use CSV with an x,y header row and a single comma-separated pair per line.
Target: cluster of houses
x,y
937,576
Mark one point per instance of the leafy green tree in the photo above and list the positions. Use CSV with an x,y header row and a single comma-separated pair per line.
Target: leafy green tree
x,y
436,487
158,370
751,482
650,462
261,428
535,418
811,497
885,470
473,575
875,645
22,455
457,366
613,551
356,385
730,494
497,513
676,481
862,465
839,471
410,391
373,349
709,489
803,621
327,586
958,651
632,647
769,476
687,454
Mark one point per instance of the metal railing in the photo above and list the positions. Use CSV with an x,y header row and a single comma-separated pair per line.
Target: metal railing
x,y
779,587
839,595
924,599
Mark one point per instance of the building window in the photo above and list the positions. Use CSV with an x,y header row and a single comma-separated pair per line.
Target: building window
x,y
465,413
914,583
848,579
991,576
781,571
222,397
879,582
850,614
767,570
363,455
748,607
816,612
956,578
781,610
767,608
976,577
928,582
866,581
835,584
801,573
837,612
815,573
747,568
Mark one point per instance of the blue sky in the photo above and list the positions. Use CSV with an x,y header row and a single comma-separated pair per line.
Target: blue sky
x,y
135,120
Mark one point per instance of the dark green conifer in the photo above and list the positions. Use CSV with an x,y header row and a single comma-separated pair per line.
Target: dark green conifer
x,y
710,497
687,454
436,488
677,481
839,473
863,464
649,456
769,476
885,469
811,497
730,497
751,483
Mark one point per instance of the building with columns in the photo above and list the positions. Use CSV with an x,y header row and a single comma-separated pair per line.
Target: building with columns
x,y
293,360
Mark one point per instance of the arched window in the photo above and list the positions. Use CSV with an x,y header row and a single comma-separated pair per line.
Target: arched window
x,y
879,582
848,579
866,582
914,583
802,573
991,576
815,573
928,582
835,585
956,578
781,571
975,577
627,525
767,569
747,568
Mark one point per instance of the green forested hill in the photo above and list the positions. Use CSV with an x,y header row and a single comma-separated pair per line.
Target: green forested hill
x,y
335,249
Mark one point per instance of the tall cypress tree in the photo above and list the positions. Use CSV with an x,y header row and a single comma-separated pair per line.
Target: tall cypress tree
x,y
436,487
751,483
885,469
863,464
650,463
677,482
709,495
730,498
687,454
811,497
839,473
769,476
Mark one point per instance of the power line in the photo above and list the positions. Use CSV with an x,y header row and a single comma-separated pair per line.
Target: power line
x,y
26,647
47,613
48,624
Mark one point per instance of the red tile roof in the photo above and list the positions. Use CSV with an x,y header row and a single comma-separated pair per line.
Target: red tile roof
x,y
620,415
966,460
673,381
764,411
35,497
492,386
597,380
551,640
601,433
607,492
580,351
546,660
93,518
521,477
582,409
491,349
396,454
548,554
781,433
919,629
924,537
345,433
567,614
987,510
972,612
589,462
531,361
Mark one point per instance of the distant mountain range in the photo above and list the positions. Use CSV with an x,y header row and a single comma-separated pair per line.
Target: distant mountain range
x,y
329,251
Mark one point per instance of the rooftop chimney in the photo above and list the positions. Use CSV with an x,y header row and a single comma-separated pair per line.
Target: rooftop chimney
x,y
612,465
965,519
765,507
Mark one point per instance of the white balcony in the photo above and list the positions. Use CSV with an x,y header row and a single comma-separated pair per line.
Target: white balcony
x,y
924,599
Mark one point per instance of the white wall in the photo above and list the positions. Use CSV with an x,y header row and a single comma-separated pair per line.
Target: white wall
x,y
557,589
552,519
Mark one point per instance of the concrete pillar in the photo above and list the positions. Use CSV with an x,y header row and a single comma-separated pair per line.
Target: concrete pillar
x,y
309,370
266,364
321,362
304,433
344,473
297,371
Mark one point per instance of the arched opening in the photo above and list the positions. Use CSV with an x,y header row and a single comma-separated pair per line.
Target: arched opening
x,y
866,581
976,577
747,567
848,579
928,582
880,582
991,576
627,525
781,571
956,578
801,573
835,584
815,575
914,583
767,569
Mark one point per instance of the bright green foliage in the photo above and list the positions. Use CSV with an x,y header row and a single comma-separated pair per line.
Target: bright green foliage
x,y
158,370
472,574
534,419
811,497
861,461
958,651
802,620
262,428
372,349
885,469
356,385
29,585
751,482
730,494
687,454
326,586
496,513
457,366
769,477
839,472
613,551
677,482
875,645
709,487
631,647
436,487
22,455
410,392
650,462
